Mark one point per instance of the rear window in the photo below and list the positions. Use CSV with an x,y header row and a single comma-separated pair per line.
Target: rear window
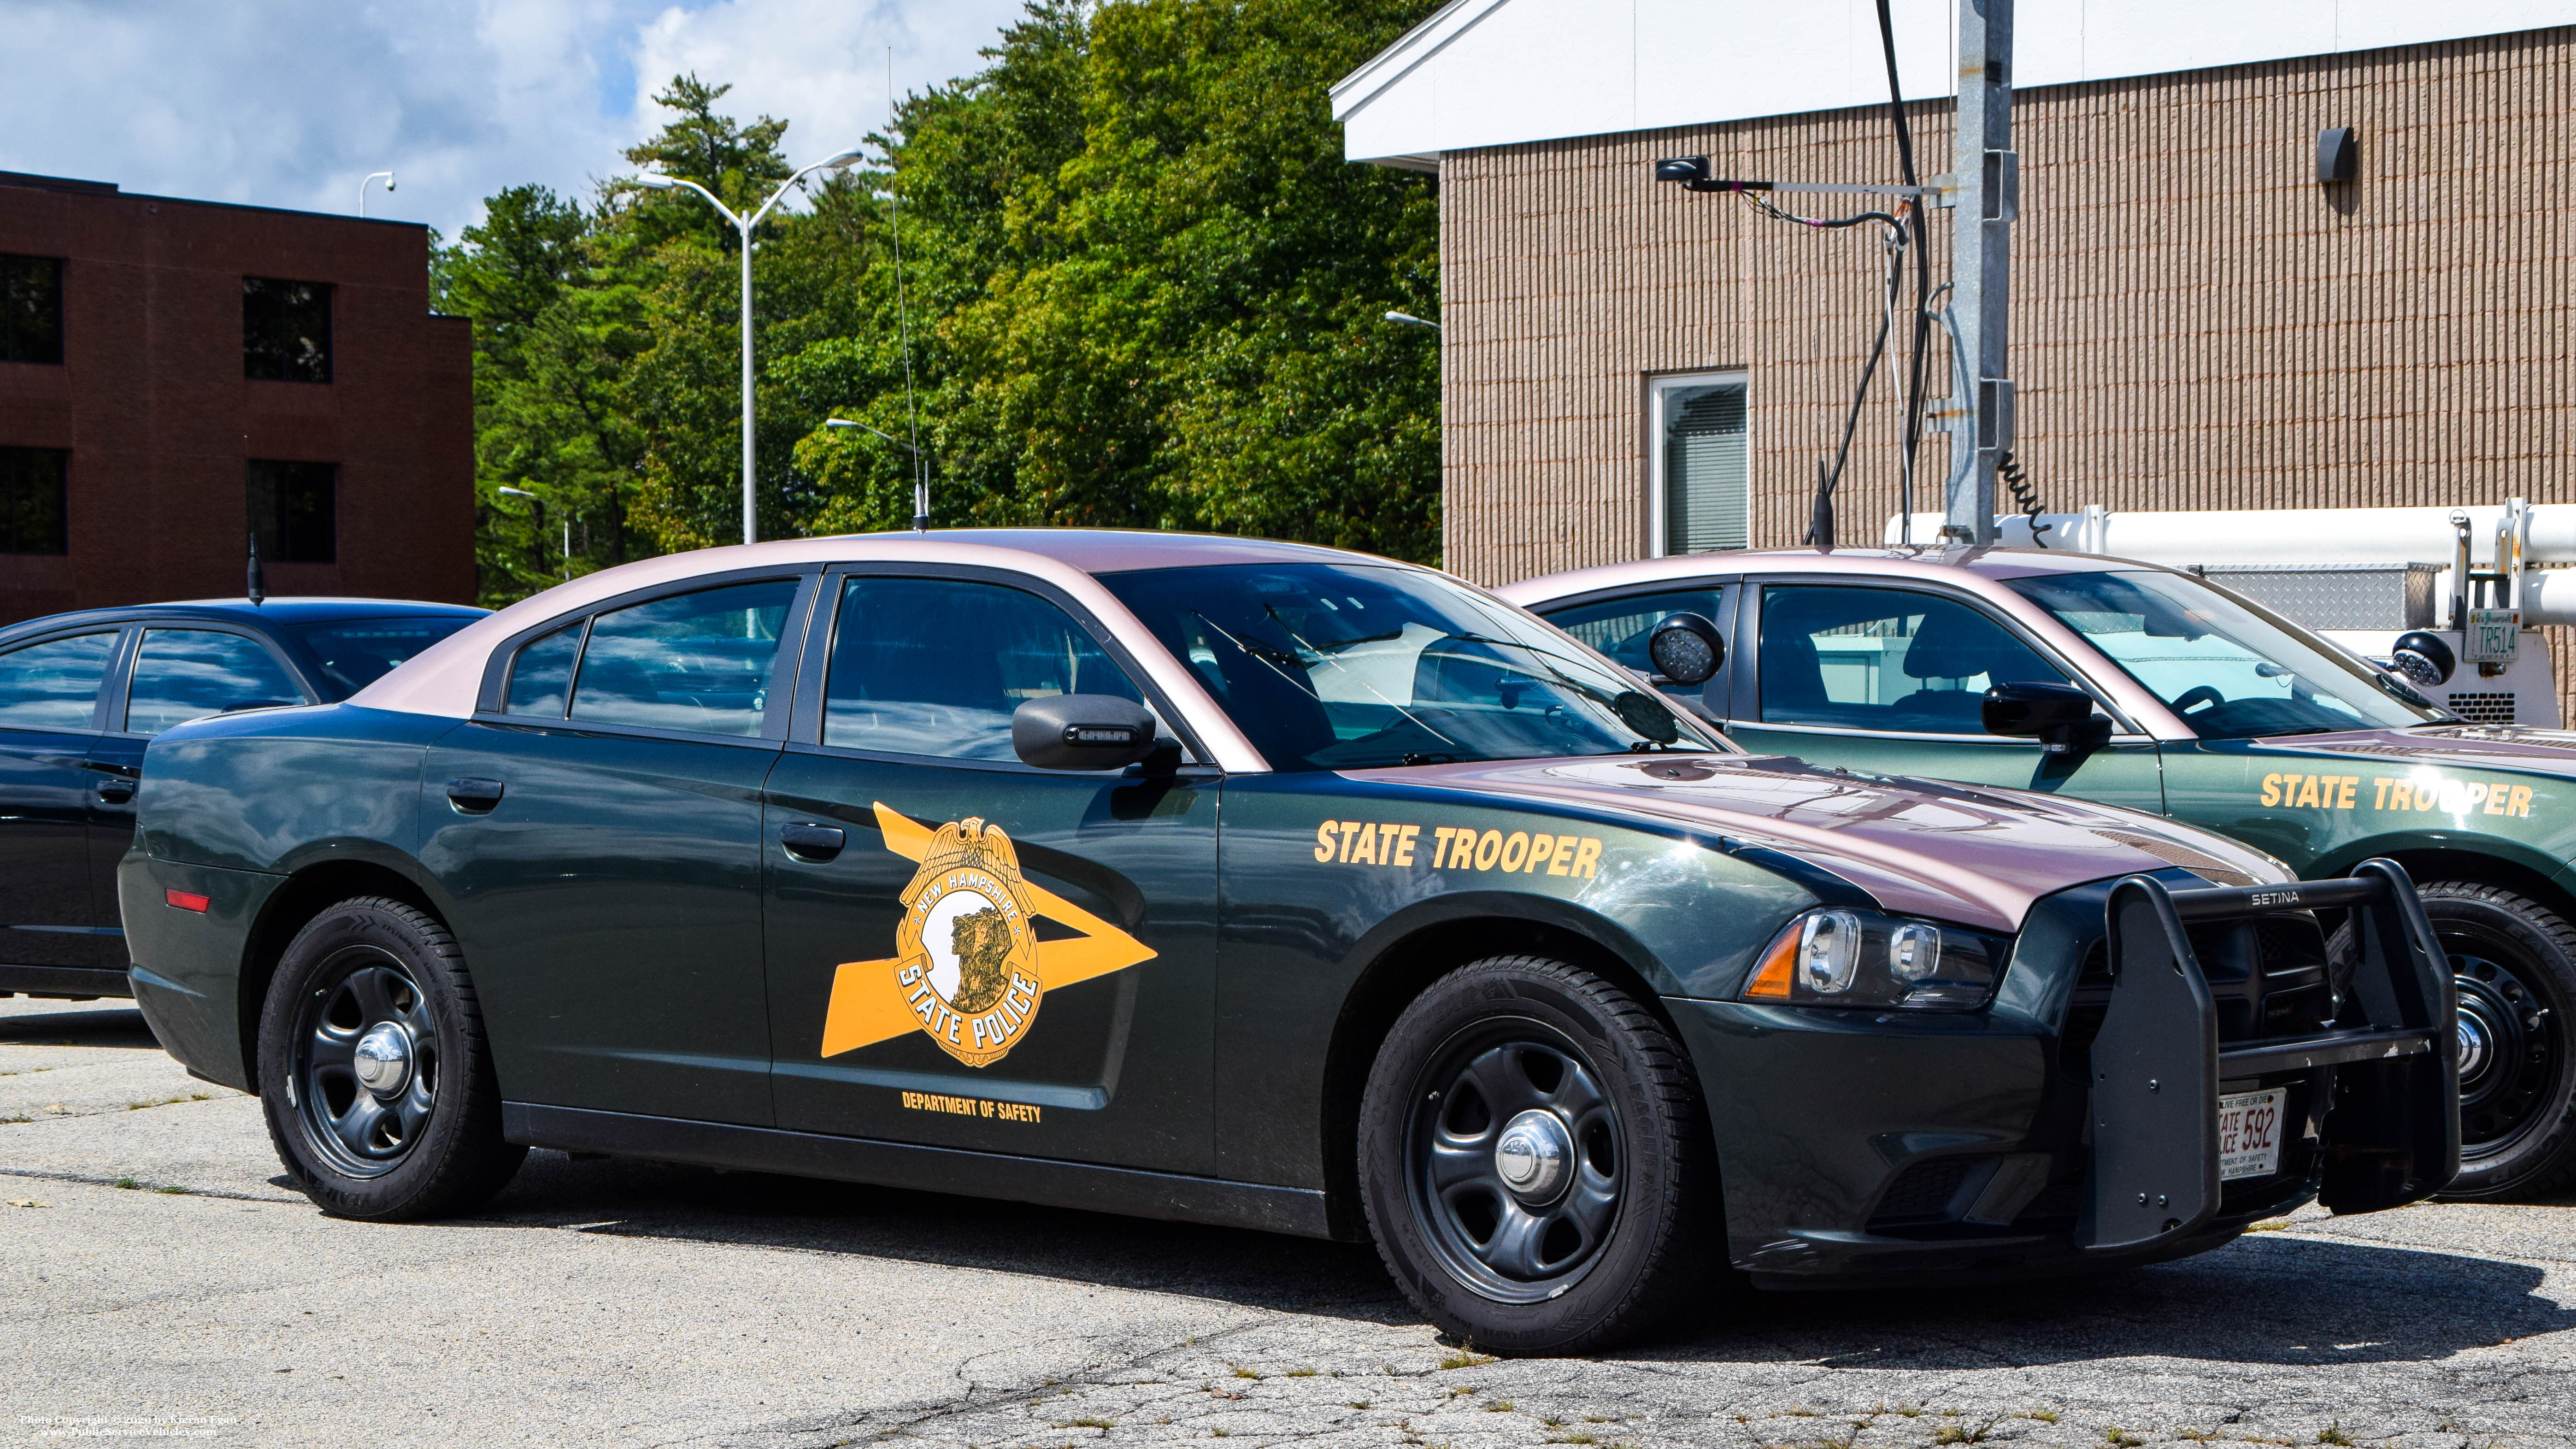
x,y
351,654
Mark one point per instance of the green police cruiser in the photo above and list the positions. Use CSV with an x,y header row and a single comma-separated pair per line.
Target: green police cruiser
x,y
2171,696
1250,883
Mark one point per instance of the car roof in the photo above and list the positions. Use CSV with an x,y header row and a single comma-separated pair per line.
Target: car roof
x,y
1123,550
299,610
1889,563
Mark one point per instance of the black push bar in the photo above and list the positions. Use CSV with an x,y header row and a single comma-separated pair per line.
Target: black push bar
x,y
2390,1064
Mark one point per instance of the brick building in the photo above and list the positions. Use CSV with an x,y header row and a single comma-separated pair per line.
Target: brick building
x,y
176,376
2197,321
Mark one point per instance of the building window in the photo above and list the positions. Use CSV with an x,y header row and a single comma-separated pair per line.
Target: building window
x,y
294,514
31,309
1700,487
286,330
34,511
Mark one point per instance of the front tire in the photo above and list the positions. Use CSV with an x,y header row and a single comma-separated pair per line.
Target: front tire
x,y
2515,963
373,1070
1534,1159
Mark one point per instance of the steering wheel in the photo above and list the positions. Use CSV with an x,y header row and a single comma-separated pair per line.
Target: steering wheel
x,y
2198,694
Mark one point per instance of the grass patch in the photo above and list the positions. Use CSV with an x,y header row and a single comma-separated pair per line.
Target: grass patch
x,y
129,1184
172,1188
1299,1373
1499,1406
2122,1438
1241,1372
2334,1433
1964,1433
1466,1357
1088,1424
1359,1403
2045,1416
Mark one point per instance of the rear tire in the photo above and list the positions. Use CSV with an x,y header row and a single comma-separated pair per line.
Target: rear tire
x,y
1588,1231
373,1070
2515,962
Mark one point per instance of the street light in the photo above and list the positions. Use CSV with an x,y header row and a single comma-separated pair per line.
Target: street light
x,y
362,190
652,182
1407,319
541,520
920,471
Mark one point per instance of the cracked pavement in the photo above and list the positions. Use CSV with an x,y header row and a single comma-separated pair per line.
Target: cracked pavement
x,y
635,1303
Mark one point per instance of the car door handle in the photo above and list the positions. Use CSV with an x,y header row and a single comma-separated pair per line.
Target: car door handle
x,y
113,790
475,797
808,841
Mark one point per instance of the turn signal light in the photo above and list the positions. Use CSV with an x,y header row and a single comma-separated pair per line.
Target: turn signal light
x,y
186,901
1771,983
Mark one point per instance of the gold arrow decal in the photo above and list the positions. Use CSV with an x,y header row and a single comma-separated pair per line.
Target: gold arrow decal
x,y
874,1001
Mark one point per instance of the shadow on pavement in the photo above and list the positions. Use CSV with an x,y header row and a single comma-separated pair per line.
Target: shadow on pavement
x,y
2265,1299
695,1204
103,1024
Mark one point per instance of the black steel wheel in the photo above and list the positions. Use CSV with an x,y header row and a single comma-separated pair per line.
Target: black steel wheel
x,y
1515,1154
364,1079
2514,961
1534,1161
373,1071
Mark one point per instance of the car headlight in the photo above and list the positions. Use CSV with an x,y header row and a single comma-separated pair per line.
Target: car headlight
x,y
1861,958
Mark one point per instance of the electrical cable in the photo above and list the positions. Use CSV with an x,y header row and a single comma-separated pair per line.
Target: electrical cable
x,y
2025,497
1918,355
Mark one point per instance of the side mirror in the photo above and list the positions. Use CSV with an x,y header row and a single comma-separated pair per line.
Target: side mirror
x,y
1082,732
2424,659
2060,716
1686,648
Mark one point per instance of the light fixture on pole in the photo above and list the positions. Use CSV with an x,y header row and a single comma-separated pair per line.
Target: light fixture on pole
x,y
744,225
1407,319
920,471
362,189
541,522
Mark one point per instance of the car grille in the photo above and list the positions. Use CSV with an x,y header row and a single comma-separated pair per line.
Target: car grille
x,y
2268,976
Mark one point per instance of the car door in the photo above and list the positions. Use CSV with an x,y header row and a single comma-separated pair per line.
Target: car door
x,y
1892,679
1618,626
51,698
964,950
178,671
597,826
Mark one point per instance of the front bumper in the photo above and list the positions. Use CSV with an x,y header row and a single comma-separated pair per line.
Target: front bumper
x,y
2066,1130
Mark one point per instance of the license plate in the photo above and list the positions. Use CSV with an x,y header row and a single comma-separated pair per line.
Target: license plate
x,y
2249,1134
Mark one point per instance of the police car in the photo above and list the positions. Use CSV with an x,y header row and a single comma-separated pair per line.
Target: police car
x,y
2186,700
1256,884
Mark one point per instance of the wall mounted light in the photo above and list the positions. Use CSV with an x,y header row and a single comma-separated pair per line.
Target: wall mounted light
x,y
2337,155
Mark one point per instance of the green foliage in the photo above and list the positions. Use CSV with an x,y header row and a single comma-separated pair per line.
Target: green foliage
x,y
1139,285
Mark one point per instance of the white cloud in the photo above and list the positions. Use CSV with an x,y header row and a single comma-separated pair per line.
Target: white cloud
x,y
291,102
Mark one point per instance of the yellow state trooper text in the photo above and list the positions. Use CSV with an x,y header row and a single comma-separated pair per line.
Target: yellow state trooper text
x,y
1370,842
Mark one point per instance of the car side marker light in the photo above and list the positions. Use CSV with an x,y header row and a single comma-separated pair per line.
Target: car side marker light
x,y
189,902
1771,982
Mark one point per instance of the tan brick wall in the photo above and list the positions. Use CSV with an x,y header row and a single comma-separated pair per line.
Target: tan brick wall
x,y
2197,323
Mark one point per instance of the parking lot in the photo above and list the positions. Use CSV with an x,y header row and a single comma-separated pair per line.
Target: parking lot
x,y
162,1282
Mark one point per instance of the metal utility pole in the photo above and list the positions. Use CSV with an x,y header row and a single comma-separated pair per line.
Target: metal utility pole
x,y
1986,178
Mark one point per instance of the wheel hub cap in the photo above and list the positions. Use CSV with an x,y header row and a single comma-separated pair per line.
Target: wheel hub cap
x,y
2473,1045
1533,1155
382,1061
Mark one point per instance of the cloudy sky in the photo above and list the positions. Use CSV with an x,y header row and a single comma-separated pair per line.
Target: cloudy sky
x,y
291,102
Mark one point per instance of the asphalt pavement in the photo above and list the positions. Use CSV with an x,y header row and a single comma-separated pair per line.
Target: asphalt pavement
x,y
160,1282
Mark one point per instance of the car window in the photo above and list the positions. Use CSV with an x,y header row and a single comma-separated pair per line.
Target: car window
x,y
351,654
1885,659
185,674
936,666
541,677
2226,669
698,662
1618,627
1356,666
54,685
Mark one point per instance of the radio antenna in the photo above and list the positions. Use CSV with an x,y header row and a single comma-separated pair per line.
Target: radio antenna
x,y
902,312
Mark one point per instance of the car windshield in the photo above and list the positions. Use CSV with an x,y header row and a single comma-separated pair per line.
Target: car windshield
x,y
1351,666
350,654
2229,670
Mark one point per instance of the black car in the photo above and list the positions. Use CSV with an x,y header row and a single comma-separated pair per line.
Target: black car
x,y
80,696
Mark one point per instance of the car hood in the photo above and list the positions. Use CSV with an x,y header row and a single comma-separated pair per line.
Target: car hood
x,y
2456,747
1965,854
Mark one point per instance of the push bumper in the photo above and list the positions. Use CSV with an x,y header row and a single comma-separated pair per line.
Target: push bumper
x,y
1859,1146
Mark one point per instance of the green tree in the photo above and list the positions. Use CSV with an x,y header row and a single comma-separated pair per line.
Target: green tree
x,y
1139,287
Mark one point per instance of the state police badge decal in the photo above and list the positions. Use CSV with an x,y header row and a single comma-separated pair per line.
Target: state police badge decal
x,y
968,970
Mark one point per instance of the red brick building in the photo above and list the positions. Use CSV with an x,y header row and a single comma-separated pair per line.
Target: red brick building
x,y
177,376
